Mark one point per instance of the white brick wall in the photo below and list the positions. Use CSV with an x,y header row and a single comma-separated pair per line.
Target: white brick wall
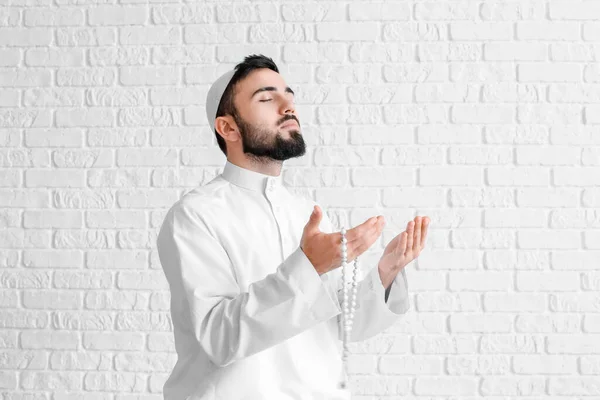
x,y
483,115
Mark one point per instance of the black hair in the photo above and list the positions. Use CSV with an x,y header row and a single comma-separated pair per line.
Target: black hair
x,y
226,105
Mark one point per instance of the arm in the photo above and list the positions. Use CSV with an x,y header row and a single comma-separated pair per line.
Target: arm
x,y
229,324
375,313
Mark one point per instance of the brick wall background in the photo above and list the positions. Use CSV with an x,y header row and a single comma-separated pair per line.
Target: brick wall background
x,y
482,115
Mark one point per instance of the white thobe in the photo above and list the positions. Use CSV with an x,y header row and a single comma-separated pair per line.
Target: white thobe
x,y
252,318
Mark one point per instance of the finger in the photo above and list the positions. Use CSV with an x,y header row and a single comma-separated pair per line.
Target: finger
x,y
410,232
354,233
375,232
425,229
403,241
377,226
360,246
417,240
368,230
360,230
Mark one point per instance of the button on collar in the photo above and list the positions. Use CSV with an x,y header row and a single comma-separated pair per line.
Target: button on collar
x,y
270,184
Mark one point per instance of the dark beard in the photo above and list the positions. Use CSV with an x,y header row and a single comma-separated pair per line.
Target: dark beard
x,y
262,147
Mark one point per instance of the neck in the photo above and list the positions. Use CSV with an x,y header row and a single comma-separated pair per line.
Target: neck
x,y
269,167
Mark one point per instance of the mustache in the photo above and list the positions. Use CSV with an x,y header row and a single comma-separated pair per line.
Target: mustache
x,y
291,117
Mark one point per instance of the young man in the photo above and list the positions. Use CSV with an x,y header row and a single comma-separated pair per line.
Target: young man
x,y
253,270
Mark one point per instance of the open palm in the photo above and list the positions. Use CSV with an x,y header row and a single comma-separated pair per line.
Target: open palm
x,y
407,246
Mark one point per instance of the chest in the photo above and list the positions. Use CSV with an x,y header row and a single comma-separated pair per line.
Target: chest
x,y
259,236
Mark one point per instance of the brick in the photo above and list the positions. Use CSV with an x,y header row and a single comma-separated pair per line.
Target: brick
x,y
117,15
25,37
145,35
230,13
54,17
341,31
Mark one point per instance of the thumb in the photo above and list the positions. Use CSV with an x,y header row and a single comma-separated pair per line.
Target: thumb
x,y
315,219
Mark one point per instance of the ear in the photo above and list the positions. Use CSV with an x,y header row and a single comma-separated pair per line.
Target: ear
x,y
227,128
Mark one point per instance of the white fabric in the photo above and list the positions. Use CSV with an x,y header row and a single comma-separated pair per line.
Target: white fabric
x,y
213,97
252,318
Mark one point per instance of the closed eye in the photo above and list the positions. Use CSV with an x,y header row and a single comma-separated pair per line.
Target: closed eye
x,y
265,100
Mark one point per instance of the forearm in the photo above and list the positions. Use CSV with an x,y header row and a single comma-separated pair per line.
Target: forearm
x,y
285,303
372,315
387,277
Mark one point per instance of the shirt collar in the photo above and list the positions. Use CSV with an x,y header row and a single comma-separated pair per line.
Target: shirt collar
x,y
249,179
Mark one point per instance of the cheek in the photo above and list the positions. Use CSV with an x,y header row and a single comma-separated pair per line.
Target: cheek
x,y
264,116
251,116
256,112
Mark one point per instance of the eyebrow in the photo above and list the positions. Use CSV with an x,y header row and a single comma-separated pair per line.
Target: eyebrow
x,y
271,89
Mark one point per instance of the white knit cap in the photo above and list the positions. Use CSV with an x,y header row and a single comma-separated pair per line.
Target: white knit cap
x,y
214,97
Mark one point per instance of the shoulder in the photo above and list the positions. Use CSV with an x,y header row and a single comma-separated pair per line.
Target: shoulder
x,y
206,197
198,203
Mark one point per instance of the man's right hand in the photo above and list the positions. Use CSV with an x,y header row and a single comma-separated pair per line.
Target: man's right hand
x,y
324,250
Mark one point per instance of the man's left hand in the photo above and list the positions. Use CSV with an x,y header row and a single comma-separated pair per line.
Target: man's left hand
x,y
406,246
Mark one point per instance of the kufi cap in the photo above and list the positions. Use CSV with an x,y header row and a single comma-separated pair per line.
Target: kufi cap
x,y
214,97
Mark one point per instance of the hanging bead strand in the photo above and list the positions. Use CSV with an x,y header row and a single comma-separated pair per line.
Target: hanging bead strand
x,y
347,308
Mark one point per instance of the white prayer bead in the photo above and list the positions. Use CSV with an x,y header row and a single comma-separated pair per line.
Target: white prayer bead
x,y
349,303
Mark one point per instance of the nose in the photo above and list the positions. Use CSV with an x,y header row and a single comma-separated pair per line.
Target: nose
x,y
288,106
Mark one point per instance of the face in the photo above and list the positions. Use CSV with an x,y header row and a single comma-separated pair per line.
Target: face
x,y
263,106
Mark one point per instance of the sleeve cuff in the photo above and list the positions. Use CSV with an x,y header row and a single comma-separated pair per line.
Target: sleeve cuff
x,y
302,275
398,300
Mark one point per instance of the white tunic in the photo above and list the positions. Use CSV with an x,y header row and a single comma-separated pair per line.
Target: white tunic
x,y
252,318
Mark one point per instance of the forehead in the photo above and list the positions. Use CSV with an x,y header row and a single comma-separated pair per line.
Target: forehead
x,y
257,79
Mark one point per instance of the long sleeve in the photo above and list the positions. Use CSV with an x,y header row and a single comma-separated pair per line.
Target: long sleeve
x,y
228,324
374,313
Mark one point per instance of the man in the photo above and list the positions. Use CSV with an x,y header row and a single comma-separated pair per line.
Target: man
x,y
253,270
